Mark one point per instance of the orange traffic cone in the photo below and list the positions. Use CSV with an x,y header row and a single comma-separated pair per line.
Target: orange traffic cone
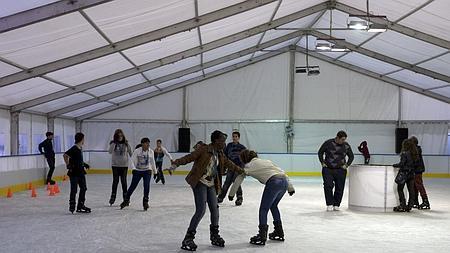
x,y
9,194
52,191
30,185
48,187
33,193
56,188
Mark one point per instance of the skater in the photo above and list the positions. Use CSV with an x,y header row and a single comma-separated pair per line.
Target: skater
x,y
232,152
76,172
418,182
159,153
409,158
277,183
120,152
209,165
365,151
334,168
142,164
49,154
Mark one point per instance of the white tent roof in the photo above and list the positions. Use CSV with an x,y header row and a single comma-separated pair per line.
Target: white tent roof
x,y
76,59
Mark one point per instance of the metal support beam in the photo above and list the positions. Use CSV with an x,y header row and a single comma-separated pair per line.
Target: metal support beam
x,y
172,58
376,76
50,124
181,85
384,58
134,41
14,133
175,75
396,27
399,116
45,12
290,137
185,108
78,126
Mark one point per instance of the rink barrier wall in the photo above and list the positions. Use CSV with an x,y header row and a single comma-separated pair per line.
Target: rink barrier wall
x,y
16,172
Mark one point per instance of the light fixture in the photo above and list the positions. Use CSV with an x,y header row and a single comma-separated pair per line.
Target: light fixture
x,y
357,24
377,28
338,48
323,46
310,70
313,70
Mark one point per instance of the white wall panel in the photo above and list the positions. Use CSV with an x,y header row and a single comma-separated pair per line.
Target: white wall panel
x,y
341,94
4,132
419,107
163,107
259,91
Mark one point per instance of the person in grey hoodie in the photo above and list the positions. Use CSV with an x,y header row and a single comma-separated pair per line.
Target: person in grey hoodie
x,y
120,152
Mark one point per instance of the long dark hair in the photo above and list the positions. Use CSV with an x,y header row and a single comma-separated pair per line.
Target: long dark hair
x,y
116,136
409,145
247,155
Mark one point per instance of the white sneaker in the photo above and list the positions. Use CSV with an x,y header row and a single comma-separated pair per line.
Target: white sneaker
x,y
329,208
335,208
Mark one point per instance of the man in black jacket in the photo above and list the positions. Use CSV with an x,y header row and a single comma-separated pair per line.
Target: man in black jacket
x,y
49,154
334,168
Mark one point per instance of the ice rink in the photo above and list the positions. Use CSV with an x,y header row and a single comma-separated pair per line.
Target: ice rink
x,y
45,225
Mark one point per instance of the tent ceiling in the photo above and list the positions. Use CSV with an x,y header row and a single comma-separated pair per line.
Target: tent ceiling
x,y
151,47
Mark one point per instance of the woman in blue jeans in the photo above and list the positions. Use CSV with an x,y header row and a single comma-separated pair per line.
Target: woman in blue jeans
x,y
142,164
277,183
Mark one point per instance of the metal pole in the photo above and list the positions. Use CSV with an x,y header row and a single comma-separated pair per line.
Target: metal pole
x,y
290,137
14,133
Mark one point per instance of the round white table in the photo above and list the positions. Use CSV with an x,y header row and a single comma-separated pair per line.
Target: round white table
x,y
372,188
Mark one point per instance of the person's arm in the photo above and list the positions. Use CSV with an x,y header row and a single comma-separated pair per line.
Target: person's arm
x,y
194,155
322,150
350,156
167,153
41,145
402,162
291,189
133,160
237,182
152,163
66,159
111,147
231,166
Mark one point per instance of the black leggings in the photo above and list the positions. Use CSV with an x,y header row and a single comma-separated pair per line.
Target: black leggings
x,y
119,172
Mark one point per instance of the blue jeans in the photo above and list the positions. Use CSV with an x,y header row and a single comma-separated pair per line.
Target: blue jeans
x,y
202,195
274,191
137,175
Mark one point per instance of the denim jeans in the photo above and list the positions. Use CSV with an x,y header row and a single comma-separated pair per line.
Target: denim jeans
x,y
137,175
274,191
202,195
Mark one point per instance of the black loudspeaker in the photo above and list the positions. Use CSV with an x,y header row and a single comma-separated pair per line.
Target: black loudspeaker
x,y
401,134
184,139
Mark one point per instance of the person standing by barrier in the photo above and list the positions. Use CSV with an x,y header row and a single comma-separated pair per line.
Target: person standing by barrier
x,y
365,151
46,148
418,181
334,168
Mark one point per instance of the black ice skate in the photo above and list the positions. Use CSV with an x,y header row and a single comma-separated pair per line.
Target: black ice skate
x,y
81,208
425,204
214,236
261,237
239,201
112,199
278,233
125,203
145,204
72,206
188,242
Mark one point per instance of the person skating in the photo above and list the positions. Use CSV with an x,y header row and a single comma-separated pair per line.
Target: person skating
x,y
365,151
276,184
142,165
159,153
232,151
409,158
76,172
209,164
120,152
334,168
418,181
46,148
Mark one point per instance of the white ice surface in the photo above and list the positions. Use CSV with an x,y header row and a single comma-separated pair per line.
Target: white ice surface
x,y
45,225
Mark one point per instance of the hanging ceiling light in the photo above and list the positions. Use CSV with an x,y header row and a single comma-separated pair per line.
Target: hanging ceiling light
x,y
326,44
338,48
377,28
357,24
362,22
323,46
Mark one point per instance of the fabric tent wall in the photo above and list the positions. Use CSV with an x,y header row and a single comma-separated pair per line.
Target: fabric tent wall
x,y
342,94
32,130
419,107
99,134
168,106
432,137
259,91
4,132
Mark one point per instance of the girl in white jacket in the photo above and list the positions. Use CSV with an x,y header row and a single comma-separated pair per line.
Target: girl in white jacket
x,y
277,183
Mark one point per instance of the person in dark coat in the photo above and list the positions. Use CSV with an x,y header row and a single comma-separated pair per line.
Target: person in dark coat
x,y
418,181
46,148
365,151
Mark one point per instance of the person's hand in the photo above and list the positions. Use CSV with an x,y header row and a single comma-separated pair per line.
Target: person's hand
x,y
87,166
291,193
324,165
345,166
